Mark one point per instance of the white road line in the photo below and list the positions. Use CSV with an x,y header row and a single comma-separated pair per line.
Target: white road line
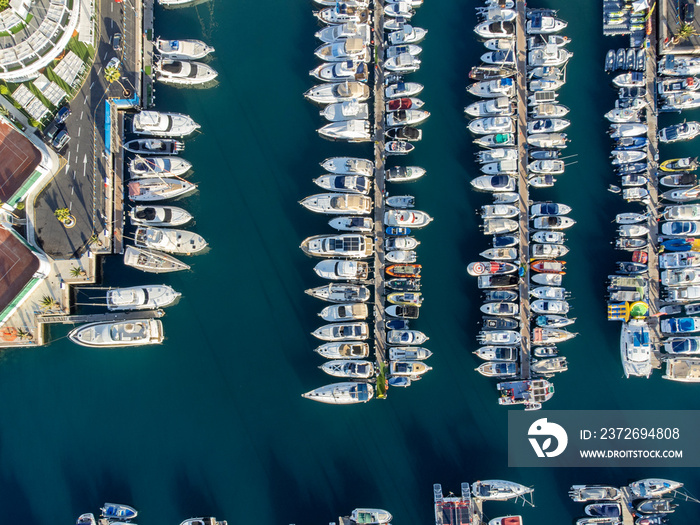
x,y
70,206
72,190
77,149
105,58
79,130
68,160
99,70
67,167
93,83
73,174
82,113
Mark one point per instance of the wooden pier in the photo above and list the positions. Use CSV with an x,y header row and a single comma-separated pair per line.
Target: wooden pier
x,y
379,185
626,504
95,318
523,190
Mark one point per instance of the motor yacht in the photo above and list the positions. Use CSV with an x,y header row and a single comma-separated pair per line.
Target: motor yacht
x,y
159,216
169,240
159,124
182,49
148,297
181,72
134,332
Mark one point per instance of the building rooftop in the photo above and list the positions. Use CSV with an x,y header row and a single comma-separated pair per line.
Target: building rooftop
x,y
19,159
18,264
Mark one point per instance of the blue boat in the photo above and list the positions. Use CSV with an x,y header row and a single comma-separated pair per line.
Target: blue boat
x,y
677,245
118,511
504,241
397,230
680,325
397,324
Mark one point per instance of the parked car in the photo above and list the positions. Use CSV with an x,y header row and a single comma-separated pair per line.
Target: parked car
x,y
62,115
61,140
687,11
117,42
52,130
114,62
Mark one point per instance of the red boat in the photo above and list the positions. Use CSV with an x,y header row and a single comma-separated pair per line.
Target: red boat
x,y
399,103
490,267
548,266
640,256
404,270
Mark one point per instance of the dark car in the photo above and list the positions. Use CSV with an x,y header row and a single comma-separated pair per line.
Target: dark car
x,y
51,130
687,11
117,41
61,140
62,115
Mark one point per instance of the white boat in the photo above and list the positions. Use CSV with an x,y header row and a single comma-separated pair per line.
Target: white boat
x,y
498,44
405,337
487,125
548,111
547,279
401,201
674,65
338,204
352,224
682,212
500,254
348,110
498,490
348,70
339,270
337,32
409,353
86,519
404,173
370,516
349,130
548,251
679,259
505,211
653,488
541,181
350,245
683,294
183,49
548,140
338,92
169,240
500,87
134,332
357,331
147,297
681,228
630,218
349,368
344,312
680,277
547,166
402,89
500,106
406,117
499,29
497,353
504,58
183,72
408,368
498,369
543,306
342,393
547,125
154,146
343,350
509,197
344,183
343,13
118,511
540,25
629,79
408,34
628,129
682,345
342,50
340,293
403,63
507,520
584,493
203,521
149,190
680,132
158,166
548,55
682,195
545,84
152,261
503,167
498,154
348,166
549,208
159,215
401,256
494,183
407,218
496,140
549,292
399,9
160,124
398,147
499,226
395,51
552,222
627,156
622,115
500,308
684,369
499,337
548,236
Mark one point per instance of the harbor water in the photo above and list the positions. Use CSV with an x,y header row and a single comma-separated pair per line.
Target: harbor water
x,y
212,421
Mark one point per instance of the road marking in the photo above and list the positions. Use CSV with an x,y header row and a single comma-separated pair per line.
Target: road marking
x,y
112,24
99,70
78,148
67,167
73,174
82,113
93,83
84,165
105,58
85,101
79,130
68,160
70,206
72,190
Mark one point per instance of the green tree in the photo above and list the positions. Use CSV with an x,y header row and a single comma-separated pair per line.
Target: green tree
x,y
684,33
4,4
77,271
112,74
48,303
62,214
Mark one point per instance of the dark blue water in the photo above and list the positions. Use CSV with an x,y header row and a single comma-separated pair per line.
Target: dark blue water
x,y
212,422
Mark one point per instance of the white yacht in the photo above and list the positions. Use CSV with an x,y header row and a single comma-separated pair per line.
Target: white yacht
x,y
343,13
408,34
158,166
496,154
342,350
345,312
341,71
500,87
338,203
338,92
149,190
679,132
489,29
403,63
146,297
346,49
502,167
348,166
548,55
407,218
653,488
398,9
404,173
402,89
539,25
635,348
350,368
348,110
357,331
352,224
498,490
340,293
169,240
134,332
684,369
499,106
350,245
584,493
547,167
341,270
548,140
406,117
408,368
342,393
183,49
494,183
159,216
405,337
337,32
488,125
348,130
400,49
344,183
159,124
182,72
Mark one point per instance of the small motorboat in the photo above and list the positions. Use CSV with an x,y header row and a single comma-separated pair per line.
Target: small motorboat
x,y
353,48
399,9
498,29
347,245
551,167
549,209
340,293
632,230
343,350
499,106
603,510
348,166
549,366
548,266
494,183
548,111
499,87
500,254
401,256
401,243
627,129
159,216
345,312
408,368
631,168
681,228
627,156
86,519
499,226
499,337
496,155
682,164
548,237
490,268
415,298
338,204
500,308
338,269
630,244
498,369
545,84
404,173
405,337
351,369
553,321
183,72
545,351
629,79
409,353
495,140
622,115
406,117
547,125
157,189
408,34
682,180
631,268
502,211
485,282
403,63
680,325
358,331
396,104
158,166
344,183
404,133
682,212
116,510
402,89
503,57
630,218
403,270
405,311
169,240
547,279
336,32
505,197
343,13
541,25
548,251
397,230
682,195
154,146
503,167
497,353
348,110
412,218
152,261
679,132
656,506
398,147
336,72
547,140
505,241
491,125
500,295
542,306
356,130
629,181
552,222
542,181
396,50
549,292
403,284
148,297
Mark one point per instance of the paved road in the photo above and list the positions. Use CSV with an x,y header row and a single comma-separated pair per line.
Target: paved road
x,y
80,185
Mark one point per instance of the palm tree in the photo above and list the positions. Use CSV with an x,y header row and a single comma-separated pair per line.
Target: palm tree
x,y
684,33
62,214
112,74
24,334
48,303
77,271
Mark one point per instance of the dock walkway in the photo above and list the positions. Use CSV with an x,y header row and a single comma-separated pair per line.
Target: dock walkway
x,y
627,497
523,190
379,185
94,318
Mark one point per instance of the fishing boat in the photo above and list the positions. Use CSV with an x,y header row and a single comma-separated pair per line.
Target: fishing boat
x,y
500,254
344,183
344,312
334,269
159,216
549,222
679,132
183,72
116,510
500,308
348,166
409,353
412,218
656,505
403,270
148,297
152,261
182,49
133,332
405,311
653,487
340,293
357,331
405,337
498,369
343,350
338,203
584,493
499,490
154,146
338,92
495,140
342,393
684,369
494,183
497,353
158,166
169,240
682,345
404,173
499,337
160,124
402,89
401,201
403,284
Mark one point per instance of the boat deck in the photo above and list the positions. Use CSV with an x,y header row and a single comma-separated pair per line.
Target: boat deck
x,y
379,186
523,190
